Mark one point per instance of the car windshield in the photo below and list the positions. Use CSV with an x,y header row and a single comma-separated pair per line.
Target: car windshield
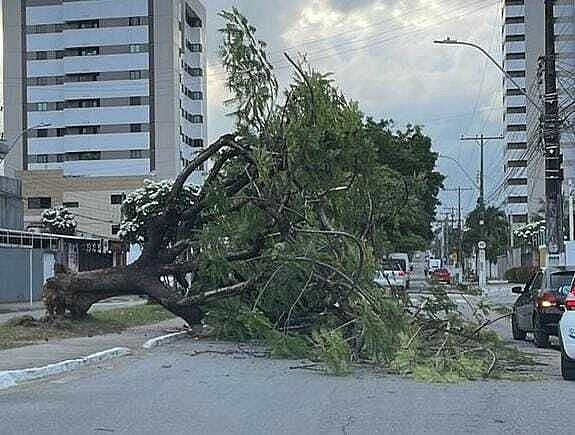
x,y
561,279
401,264
390,265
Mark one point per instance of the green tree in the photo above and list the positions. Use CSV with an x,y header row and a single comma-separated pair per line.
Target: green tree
x,y
408,153
494,231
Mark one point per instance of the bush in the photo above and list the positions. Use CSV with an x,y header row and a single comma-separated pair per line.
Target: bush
x,y
520,275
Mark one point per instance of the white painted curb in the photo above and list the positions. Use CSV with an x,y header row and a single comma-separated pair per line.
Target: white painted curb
x,y
11,378
164,339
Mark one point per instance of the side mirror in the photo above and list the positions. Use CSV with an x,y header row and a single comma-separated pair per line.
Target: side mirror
x,y
518,290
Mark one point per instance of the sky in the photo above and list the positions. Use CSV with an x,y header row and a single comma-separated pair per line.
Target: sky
x,y
381,54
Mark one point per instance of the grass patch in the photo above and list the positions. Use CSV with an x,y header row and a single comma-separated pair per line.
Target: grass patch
x,y
99,323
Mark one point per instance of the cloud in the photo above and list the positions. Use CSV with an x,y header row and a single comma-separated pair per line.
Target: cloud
x,y
381,54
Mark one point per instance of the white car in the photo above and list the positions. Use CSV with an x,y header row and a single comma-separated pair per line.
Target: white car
x,y
391,275
567,338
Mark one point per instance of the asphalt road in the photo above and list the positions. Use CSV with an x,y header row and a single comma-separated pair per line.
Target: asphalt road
x,y
201,388
171,391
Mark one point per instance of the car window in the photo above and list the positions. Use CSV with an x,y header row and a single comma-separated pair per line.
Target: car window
x,y
536,284
561,279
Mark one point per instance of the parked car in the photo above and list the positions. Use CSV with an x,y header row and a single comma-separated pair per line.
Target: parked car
x,y
405,264
441,275
540,305
567,335
391,274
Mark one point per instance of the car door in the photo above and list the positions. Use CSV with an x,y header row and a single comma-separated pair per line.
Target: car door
x,y
524,304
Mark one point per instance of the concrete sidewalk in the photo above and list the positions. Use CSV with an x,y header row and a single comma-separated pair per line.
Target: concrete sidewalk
x,y
36,310
71,348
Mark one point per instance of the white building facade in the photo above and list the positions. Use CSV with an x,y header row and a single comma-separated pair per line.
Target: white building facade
x,y
104,88
523,46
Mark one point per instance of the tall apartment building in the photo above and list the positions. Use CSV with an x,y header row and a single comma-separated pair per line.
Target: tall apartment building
x,y
523,48
101,94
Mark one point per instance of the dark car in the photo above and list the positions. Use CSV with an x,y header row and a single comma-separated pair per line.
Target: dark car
x,y
540,305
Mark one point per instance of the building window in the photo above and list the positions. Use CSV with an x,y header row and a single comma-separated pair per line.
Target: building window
x,y
197,143
517,127
517,200
138,48
517,182
135,75
73,204
42,132
82,77
117,199
84,24
115,229
135,101
515,56
136,154
39,203
135,21
517,109
59,158
192,19
516,73
517,145
135,128
517,164
196,95
519,218
196,119
42,158
514,20
60,132
514,38
194,47
514,2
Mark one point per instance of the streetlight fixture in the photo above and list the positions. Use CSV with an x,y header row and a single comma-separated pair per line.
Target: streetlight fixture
x,y
6,148
449,41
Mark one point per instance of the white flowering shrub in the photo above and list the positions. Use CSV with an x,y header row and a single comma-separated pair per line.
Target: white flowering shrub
x,y
143,204
528,231
59,220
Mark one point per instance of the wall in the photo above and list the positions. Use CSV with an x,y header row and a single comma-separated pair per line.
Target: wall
x,y
11,204
15,274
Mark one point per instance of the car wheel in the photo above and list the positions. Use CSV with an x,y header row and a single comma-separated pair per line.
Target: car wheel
x,y
567,367
539,334
518,334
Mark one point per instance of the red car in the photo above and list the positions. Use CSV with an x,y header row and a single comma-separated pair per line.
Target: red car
x,y
442,275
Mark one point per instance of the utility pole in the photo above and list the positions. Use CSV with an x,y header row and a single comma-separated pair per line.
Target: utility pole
x,y
460,261
553,158
481,139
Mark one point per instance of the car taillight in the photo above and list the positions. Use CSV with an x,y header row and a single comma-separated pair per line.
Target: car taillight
x,y
570,301
547,300
401,273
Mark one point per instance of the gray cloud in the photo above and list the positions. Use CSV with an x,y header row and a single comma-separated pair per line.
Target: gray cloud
x,y
381,54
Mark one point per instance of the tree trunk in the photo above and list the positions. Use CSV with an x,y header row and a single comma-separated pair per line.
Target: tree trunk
x,y
76,293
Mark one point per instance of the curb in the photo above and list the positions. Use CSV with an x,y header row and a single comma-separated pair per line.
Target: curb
x,y
164,339
11,378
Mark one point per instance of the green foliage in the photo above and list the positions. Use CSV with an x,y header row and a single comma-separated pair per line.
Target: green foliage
x,y
520,275
494,231
333,350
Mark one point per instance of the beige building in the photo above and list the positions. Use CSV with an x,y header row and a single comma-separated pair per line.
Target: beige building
x,y
97,205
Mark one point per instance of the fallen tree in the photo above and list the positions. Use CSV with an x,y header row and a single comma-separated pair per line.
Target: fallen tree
x,y
286,232
295,198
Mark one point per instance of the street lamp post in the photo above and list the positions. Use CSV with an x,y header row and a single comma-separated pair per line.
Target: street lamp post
x,y
449,41
5,150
